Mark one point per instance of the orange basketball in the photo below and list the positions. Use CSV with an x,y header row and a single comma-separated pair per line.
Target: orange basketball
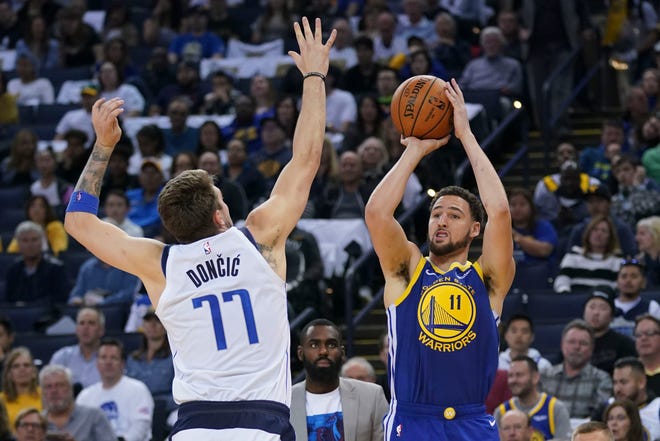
x,y
420,108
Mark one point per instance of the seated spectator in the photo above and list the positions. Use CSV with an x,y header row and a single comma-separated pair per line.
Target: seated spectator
x,y
151,145
5,428
369,123
39,211
245,126
118,24
275,152
38,42
197,42
592,431
286,113
144,200
36,276
115,207
420,62
518,333
211,140
273,23
64,416
28,88
622,418
360,78
220,100
559,198
8,108
80,358
19,168
165,21
98,283
549,417
578,384
346,198
232,192
117,177
187,84
6,340
647,344
648,243
374,157
515,425
262,91
241,170
493,70
595,263
55,189
609,345
126,402
74,157
630,282
80,119
413,22
595,161
30,425
358,368
630,384
343,49
80,45
341,108
634,200
534,240
326,175
599,202
387,42
20,388
183,161
387,81
453,53
180,136
151,363
112,84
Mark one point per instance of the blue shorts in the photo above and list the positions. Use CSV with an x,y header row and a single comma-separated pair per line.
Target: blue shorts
x,y
419,422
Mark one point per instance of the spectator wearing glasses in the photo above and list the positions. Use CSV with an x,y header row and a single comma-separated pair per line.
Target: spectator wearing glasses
x,y
647,343
631,281
30,425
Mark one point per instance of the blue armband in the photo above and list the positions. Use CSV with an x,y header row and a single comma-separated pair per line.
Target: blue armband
x,y
82,201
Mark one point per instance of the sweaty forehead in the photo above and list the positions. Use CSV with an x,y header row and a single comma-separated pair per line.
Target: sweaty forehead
x,y
451,201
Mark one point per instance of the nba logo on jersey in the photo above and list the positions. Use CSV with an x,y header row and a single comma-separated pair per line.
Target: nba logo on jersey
x,y
399,429
207,248
79,196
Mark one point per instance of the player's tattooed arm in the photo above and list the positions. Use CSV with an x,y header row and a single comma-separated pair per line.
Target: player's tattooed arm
x,y
269,255
92,176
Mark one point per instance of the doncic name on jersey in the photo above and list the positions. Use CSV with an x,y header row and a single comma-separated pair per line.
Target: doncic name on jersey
x,y
446,313
213,268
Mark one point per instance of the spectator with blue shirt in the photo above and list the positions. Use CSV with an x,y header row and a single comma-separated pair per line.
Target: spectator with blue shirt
x,y
99,283
144,200
199,42
180,136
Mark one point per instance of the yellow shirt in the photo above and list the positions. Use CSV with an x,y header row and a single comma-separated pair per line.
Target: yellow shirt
x,y
58,240
22,402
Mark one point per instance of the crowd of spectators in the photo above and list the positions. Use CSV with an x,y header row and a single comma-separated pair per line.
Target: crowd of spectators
x,y
592,226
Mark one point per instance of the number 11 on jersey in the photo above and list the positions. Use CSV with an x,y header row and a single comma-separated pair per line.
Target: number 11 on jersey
x,y
216,315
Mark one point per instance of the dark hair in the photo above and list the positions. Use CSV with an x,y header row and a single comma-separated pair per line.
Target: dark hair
x,y
636,429
76,134
163,351
633,363
531,364
519,316
222,74
119,193
50,211
363,41
647,316
625,158
187,204
111,341
612,246
527,195
318,322
29,411
222,144
476,208
153,133
5,322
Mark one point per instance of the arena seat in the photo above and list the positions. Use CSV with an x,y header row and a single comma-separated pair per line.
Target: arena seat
x,y
44,346
24,318
555,308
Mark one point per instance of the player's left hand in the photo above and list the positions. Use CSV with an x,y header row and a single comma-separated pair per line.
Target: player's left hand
x,y
105,122
425,146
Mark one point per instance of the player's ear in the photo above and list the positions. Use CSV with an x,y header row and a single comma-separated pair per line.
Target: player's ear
x,y
476,229
299,352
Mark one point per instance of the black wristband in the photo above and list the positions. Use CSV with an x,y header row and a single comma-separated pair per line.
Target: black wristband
x,y
314,74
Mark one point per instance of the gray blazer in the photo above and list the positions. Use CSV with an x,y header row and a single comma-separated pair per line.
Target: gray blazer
x,y
363,405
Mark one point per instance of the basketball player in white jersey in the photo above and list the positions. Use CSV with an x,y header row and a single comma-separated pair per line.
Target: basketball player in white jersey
x,y
221,292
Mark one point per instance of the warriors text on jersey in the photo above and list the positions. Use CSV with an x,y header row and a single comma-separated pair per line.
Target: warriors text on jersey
x,y
225,312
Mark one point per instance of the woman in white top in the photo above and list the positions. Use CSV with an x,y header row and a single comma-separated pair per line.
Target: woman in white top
x,y
112,85
27,88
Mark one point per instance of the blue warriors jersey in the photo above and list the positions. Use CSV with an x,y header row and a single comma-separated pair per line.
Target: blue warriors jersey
x,y
541,417
443,338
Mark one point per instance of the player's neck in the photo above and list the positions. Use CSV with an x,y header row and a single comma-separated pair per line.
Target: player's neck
x,y
444,261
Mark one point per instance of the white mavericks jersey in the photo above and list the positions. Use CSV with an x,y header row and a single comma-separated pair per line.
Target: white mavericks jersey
x,y
225,312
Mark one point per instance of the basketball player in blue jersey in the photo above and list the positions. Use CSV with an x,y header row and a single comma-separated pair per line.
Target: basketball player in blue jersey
x,y
442,310
220,293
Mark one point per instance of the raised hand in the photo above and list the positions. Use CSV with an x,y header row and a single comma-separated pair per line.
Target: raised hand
x,y
105,122
424,145
314,56
461,121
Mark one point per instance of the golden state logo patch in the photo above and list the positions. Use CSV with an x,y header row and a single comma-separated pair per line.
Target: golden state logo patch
x,y
446,314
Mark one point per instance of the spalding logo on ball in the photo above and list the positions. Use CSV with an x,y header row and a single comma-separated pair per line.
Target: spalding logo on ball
x,y
420,108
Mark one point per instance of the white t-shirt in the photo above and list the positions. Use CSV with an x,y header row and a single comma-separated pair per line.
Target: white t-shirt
x,y
340,108
128,405
77,119
324,414
133,99
39,91
49,192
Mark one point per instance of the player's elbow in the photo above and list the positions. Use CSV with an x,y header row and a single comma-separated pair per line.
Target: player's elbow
x,y
374,213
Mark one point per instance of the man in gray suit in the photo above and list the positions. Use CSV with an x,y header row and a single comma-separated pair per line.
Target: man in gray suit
x,y
329,407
